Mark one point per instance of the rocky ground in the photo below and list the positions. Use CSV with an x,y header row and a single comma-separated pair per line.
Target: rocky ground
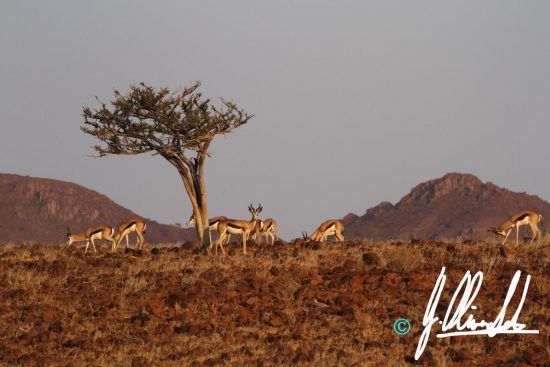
x,y
288,304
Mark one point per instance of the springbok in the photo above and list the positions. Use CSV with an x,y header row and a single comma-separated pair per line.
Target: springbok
x,y
268,229
242,227
524,218
91,234
124,230
331,227
212,223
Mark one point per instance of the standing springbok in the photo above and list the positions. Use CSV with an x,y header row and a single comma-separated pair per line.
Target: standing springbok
x,y
331,227
91,234
212,223
242,227
268,229
524,218
124,230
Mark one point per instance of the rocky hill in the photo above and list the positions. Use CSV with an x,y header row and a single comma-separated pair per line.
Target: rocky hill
x,y
454,206
37,209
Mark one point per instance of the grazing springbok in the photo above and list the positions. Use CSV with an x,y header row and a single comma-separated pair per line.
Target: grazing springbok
x,y
124,230
212,223
268,229
331,227
242,227
524,218
91,234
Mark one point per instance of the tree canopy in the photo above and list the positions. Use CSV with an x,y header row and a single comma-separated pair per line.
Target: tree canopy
x,y
169,123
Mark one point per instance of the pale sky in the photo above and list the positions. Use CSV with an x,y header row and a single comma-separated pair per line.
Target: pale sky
x,y
355,101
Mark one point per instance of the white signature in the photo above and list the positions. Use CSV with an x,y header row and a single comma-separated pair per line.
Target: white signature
x,y
470,286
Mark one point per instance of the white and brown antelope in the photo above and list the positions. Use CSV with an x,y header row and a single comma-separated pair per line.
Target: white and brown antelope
x,y
124,230
268,229
243,227
91,234
331,227
212,223
524,218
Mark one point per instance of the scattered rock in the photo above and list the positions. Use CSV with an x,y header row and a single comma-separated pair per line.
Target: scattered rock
x,y
133,252
372,258
508,251
56,327
316,280
139,362
178,297
78,342
356,283
182,329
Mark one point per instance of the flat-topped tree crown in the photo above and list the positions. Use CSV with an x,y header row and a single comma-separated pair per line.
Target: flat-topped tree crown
x,y
150,120
178,125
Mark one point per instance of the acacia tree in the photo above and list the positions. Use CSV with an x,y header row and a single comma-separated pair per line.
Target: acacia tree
x,y
179,126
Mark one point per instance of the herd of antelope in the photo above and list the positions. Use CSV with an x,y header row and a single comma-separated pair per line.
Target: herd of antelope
x,y
257,229
108,234
264,228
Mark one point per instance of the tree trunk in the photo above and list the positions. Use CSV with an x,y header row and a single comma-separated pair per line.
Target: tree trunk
x,y
195,203
203,230
205,239
202,204
199,230
194,186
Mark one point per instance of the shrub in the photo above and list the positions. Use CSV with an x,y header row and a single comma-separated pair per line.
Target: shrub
x,y
400,261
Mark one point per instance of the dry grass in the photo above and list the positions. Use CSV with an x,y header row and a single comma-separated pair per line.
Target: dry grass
x,y
401,261
173,308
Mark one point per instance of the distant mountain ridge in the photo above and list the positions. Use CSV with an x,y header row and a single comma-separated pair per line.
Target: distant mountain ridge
x,y
40,209
456,205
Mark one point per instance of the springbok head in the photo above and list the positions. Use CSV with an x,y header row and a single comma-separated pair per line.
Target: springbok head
x,y
255,211
69,236
497,231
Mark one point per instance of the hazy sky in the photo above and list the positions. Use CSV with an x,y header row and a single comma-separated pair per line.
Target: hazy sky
x,y
355,101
